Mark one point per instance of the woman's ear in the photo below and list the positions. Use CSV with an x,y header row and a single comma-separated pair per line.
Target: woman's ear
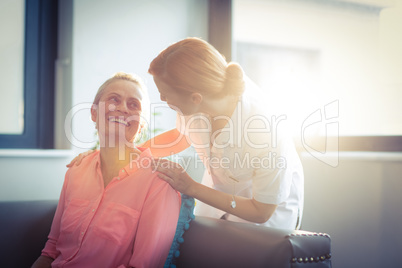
x,y
196,98
140,132
94,113
140,127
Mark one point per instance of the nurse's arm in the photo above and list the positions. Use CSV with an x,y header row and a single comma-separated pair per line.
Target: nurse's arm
x,y
247,209
167,143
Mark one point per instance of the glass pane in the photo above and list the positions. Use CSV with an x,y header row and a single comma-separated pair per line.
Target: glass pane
x,y
335,61
12,29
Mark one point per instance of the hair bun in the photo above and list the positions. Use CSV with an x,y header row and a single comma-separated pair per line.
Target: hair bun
x,y
234,71
234,84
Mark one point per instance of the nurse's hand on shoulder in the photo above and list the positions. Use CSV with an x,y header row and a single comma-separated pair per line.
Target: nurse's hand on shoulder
x,y
77,160
174,174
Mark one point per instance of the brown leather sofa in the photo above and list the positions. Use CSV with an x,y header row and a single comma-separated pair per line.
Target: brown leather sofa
x,y
24,227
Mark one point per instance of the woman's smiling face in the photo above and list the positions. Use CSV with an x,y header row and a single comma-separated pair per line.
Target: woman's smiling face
x,y
117,114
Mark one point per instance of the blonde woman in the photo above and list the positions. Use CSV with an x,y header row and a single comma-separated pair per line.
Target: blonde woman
x,y
113,210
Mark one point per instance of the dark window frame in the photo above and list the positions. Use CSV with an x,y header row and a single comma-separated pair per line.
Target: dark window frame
x,y
39,77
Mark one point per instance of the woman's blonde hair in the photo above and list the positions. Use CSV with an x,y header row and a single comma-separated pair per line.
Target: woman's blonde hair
x,y
194,65
121,76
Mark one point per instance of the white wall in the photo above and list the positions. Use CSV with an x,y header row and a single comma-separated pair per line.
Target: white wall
x,y
358,203
358,59
12,31
125,35
32,174
108,36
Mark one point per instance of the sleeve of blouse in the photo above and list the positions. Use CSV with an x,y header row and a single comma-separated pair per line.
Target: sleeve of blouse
x,y
269,187
272,183
50,246
156,227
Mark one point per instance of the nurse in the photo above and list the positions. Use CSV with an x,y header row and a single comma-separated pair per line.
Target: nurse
x,y
253,172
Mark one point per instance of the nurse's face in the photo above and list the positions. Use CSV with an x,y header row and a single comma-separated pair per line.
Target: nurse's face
x,y
177,100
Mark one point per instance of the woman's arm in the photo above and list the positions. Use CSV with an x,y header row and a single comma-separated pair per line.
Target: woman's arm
x,y
49,253
156,227
247,209
43,262
167,143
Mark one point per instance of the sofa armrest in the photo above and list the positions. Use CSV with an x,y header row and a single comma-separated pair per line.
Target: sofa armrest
x,y
220,243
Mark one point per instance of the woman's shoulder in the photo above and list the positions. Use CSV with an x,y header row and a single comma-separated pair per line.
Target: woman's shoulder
x,y
89,159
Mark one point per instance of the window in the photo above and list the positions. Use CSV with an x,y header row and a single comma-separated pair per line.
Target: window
x,y
35,104
332,67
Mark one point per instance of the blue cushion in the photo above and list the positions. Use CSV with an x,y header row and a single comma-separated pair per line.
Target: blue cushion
x,y
185,216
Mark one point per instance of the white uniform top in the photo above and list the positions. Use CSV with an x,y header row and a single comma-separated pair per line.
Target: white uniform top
x,y
249,158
